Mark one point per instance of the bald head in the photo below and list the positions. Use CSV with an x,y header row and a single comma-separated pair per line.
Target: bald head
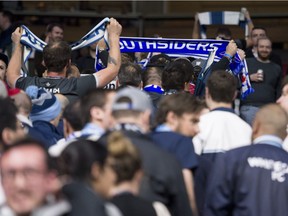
x,y
271,119
22,102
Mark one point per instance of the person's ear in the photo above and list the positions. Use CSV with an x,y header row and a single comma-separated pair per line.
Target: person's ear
x,y
255,128
95,171
207,95
96,113
145,120
172,120
138,176
7,136
171,117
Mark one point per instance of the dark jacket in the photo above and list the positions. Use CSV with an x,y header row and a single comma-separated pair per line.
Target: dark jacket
x,y
83,200
250,180
163,180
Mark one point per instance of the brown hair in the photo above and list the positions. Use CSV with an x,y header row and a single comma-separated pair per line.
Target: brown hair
x,y
126,157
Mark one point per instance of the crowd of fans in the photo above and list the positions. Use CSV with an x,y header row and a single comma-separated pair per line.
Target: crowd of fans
x,y
149,146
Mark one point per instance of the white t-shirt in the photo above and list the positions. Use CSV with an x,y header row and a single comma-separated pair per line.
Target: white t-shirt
x,y
221,131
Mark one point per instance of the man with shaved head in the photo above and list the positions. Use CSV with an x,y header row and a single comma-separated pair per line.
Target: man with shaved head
x,y
252,180
283,102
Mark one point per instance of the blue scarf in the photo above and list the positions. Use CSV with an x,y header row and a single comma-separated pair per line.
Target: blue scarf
x,y
172,47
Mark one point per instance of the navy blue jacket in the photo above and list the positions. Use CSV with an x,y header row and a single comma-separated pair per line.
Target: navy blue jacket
x,y
45,132
179,145
250,181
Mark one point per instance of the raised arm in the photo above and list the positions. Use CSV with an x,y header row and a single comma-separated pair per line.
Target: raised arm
x,y
250,28
14,66
196,30
224,62
106,75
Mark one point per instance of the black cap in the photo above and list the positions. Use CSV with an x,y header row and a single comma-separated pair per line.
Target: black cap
x,y
4,58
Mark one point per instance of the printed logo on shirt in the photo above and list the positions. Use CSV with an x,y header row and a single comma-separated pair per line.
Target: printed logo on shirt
x,y
53,90
278,168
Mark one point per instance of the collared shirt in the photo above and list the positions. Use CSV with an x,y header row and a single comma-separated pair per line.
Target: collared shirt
x,y
163,128
269,140
92,129
224,109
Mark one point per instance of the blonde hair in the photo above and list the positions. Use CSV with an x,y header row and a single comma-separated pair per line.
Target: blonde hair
x,y
126,157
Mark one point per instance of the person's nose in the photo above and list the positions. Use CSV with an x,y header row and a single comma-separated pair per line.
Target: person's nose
x,y
20,181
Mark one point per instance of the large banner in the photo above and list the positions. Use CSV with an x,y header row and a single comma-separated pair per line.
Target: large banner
x,y
170,46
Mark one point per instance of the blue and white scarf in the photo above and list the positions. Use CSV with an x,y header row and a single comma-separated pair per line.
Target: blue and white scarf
x,y
221,18
172,47
31,41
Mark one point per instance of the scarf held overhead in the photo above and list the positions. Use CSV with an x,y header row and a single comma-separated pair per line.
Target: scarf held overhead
x,y
172,47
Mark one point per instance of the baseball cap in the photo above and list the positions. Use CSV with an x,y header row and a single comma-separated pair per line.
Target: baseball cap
x,y
4,58
198,63
138,100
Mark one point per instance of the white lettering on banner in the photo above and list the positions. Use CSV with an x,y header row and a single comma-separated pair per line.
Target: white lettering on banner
x,y
179,47
140,44
121,45
162,45
191,46
53,90
170,45
278,168
132,45
203,45
148,44
214,45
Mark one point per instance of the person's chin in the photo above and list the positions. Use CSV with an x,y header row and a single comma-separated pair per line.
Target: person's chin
x,y
22,208
265,56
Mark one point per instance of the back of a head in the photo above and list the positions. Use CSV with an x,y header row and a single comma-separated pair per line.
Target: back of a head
x,y
8,112
152,75
56,56
126,157
222,86
23,102
130,75
174,77
73,115
77,159
187,67
127,58
130,102
179,104
160,60
273,120
93,98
